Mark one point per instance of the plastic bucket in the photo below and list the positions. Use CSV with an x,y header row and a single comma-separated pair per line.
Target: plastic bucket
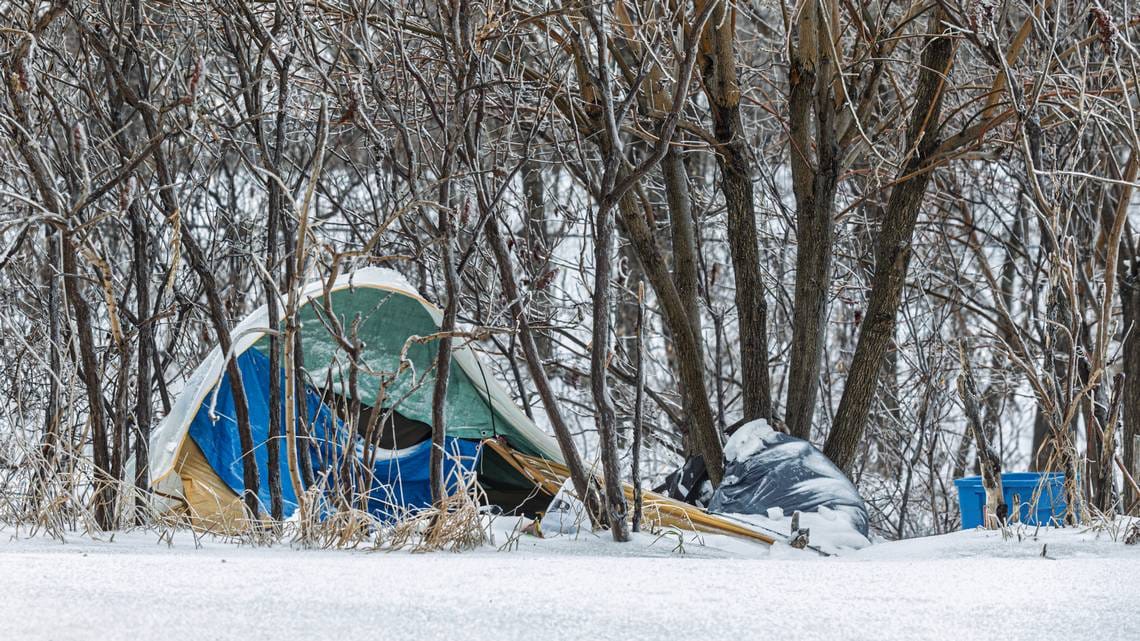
x,y
1046,507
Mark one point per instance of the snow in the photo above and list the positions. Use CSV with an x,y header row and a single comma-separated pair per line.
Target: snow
x,y
831,530
747,440
965,585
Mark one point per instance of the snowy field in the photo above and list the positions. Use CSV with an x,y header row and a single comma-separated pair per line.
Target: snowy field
x,y
962,586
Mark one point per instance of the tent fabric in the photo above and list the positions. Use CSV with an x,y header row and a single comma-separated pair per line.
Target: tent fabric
x,y
767,469
399,477
212,504
384,321
688,483
482,405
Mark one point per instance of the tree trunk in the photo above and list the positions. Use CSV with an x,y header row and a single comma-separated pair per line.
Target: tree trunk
x,y
299,454
685,265
1106,480
690,369
892,256
604,415
104,497
50,447
443,355
638,406
685,273
250,475
538,243
146,349
273,442
276,214
1130,306
811,90
718,72
1042,446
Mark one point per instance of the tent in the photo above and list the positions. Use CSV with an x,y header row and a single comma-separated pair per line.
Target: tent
x,y
196,457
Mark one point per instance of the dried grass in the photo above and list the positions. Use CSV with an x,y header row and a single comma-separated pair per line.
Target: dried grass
x,y
460,523
41,498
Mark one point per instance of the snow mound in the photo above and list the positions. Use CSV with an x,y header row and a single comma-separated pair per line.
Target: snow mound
x,y
832,531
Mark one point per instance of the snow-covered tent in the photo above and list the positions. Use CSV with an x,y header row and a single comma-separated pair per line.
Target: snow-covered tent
x,y
196,456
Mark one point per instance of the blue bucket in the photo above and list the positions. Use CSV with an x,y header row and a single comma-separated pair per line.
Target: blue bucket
x,y
1048,510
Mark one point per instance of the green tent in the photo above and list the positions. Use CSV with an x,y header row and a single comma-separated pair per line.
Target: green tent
x,y
395,328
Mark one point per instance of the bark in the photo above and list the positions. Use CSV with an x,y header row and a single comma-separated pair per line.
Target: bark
x,y
250,475
273,444
814,181
294,372
538,243
145,330
718,73
685,264
604,415
638,406
1106,481
299,453
1129,278
1060,363
1042,446
301,432
120,443
276,214
685,272
104,495
893,252
50,447
443,356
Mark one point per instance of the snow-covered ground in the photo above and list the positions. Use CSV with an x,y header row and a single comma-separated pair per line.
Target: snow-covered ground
x,y
967,585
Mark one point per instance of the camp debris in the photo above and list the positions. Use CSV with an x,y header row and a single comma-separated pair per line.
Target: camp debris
x,y
772,474
196,456
551,476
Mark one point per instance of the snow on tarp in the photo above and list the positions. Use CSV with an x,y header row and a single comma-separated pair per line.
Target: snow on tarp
x,y
769,476
766,470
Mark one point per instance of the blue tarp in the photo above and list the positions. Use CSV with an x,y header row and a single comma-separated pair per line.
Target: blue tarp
x,y
399,477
